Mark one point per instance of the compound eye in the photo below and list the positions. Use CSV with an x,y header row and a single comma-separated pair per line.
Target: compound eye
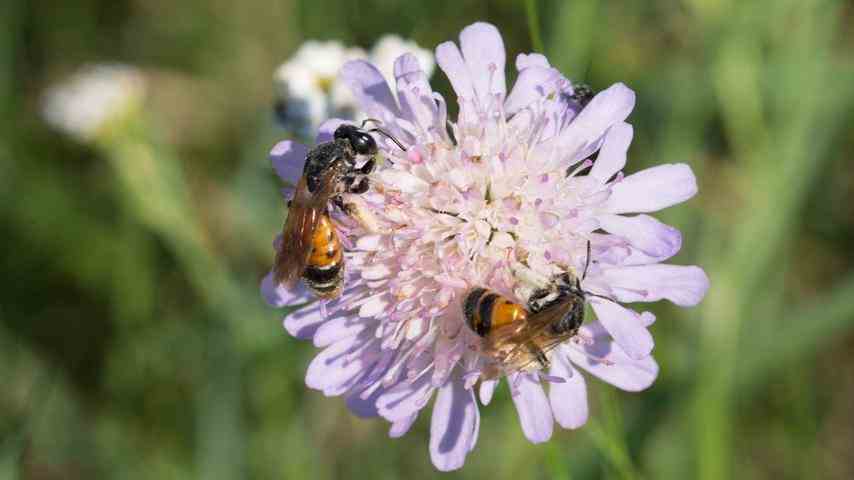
x,y
363,143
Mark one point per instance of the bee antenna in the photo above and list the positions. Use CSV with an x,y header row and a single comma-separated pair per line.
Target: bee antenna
x,y
591,294
387,135
586,262
370,120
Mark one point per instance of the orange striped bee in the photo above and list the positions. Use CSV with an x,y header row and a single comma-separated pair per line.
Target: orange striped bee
x,y
519,338
516,338
311,249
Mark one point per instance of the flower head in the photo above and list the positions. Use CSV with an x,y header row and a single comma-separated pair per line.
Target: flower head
x,y
309,89
85,104
507,198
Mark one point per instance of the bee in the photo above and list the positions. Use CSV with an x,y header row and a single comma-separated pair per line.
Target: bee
x,y
519,338
311,249
582,94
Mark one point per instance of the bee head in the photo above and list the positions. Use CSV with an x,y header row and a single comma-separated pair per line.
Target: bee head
x,y
361,141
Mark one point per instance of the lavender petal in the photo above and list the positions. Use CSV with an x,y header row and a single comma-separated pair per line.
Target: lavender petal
x,y
569,399
625,326
652,189
452,427
535,413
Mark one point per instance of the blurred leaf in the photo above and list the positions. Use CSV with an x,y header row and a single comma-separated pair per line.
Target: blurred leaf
x,y
799,334
608,435
572,34
534,25
220,431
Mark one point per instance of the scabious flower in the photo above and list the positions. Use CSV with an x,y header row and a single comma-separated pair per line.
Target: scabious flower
x,y
85,104
507,198
309,91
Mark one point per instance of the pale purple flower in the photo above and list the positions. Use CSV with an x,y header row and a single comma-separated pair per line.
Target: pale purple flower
x,y
505,200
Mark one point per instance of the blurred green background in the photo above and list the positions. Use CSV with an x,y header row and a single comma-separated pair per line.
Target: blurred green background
x,y
133,340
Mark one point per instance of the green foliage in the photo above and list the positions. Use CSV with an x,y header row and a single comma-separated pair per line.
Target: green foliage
x,y
134,342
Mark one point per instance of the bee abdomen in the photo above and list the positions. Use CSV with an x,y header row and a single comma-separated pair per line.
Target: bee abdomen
x,y
470,306
324,281
485,310
324,271
322,275
325,245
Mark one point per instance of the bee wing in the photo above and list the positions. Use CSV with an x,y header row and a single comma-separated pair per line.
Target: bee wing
x,y
546,345
304,214
534,332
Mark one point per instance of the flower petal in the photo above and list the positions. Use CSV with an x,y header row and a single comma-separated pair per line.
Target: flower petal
x,y
371,90
569,399
304,322
288,159
528,60
414,92
487,388
452,428
652,189
535,414
533,84
338,366
612,155
450,60
339,328
645,233
483,49
278,296
683,285
403,181
326,130
625,326
582,135
363,407
400,427
404,399
615,366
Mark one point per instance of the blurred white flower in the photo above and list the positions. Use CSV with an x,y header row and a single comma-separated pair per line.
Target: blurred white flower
x,y
96,95
308,89
307,86
389,47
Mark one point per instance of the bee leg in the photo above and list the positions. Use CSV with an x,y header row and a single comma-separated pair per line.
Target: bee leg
x,y
347,208
360,187
539,300
566,280
368,167
338,201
